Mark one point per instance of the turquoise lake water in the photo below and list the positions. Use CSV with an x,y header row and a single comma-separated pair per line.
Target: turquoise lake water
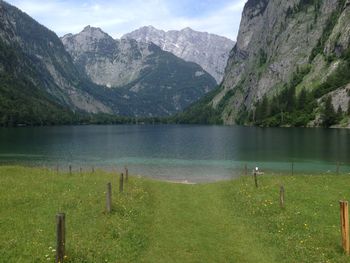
x,y
179,152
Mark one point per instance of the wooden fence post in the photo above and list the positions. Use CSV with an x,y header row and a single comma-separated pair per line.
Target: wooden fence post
x,y
61,237
81,170
282,196
126,174
93,169
70,169
57,168
109,198
255,179
344,225
121,183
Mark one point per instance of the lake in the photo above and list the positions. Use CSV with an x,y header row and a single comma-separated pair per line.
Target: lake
x,y
179,152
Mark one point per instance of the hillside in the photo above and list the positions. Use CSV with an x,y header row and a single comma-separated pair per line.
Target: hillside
x,y
39,82
290,67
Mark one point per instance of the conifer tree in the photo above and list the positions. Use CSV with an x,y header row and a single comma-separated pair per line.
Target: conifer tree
x,y
328,114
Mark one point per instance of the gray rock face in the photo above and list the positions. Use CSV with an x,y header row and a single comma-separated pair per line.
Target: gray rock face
x,y
108,62
208,50
152,82
275,40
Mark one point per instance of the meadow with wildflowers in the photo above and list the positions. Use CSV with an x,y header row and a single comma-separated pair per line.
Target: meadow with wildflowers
x,y
157,221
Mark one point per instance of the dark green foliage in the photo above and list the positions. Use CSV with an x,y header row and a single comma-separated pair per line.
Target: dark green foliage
x,y
299,75
201,112
225,100
339,114
302,99
262,110
349,108
339,78
303,6
262,57
285,108
328,115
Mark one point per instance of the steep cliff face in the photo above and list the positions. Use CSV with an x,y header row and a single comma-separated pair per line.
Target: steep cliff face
x,y
40,60
301,44
152,82
207,50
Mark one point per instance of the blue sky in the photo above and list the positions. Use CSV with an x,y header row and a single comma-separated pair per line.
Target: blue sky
x,y
118,17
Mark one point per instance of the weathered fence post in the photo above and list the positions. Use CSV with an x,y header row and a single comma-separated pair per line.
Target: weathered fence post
x,y
109,198
255,179
245,169
121,183
282,196
81,170
93,169
57,168
344,225
70,169
126,174
61,237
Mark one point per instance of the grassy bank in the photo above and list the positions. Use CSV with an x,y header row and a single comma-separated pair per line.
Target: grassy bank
x,y
155,221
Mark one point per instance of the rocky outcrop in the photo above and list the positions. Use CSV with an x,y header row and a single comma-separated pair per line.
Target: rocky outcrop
x,y
207,50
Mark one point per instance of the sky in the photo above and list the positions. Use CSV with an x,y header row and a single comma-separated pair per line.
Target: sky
x,y
118,17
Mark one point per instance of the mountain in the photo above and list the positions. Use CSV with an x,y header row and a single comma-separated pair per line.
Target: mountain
x,y
38,80
41,84
207,50
152,82
289,67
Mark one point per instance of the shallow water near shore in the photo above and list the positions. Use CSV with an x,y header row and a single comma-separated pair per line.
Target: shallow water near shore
x,y
179,152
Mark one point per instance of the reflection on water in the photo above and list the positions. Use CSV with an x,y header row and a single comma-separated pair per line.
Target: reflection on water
x,y
199,153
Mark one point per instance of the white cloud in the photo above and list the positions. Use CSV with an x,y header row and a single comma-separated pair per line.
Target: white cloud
x,y
122,16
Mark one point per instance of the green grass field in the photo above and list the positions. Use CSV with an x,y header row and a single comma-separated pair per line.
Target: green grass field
x,y
153,221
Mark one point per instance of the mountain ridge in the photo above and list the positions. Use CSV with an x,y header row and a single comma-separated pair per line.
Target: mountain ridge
x,y
141,73
208,50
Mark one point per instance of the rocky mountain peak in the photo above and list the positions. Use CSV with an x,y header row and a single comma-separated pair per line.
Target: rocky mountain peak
x,y
208,50
90,39
94,32
150,28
